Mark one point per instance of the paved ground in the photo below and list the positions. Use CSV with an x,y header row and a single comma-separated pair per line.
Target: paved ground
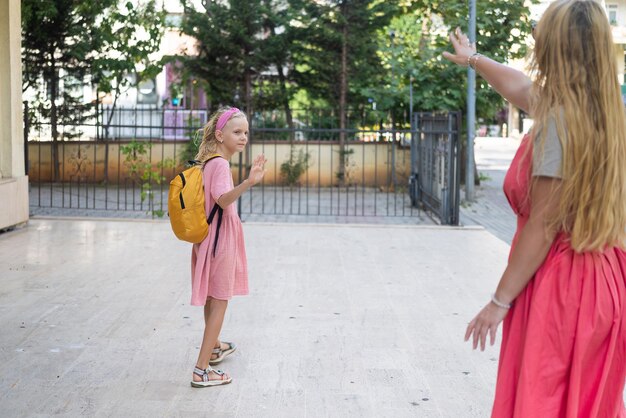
x,y
343,321
491,209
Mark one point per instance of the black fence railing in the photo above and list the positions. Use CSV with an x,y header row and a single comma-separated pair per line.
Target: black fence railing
x,y
435,168
125,165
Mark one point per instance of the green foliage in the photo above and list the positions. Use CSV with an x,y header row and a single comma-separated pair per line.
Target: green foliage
x,y
106,43
130,35
483,176
229,48
142,172
295,166
194,138
244,49
70,44
288,54
421,36
317,47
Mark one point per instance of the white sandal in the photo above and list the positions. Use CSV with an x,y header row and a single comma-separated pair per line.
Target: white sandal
x,y
206,382
221,354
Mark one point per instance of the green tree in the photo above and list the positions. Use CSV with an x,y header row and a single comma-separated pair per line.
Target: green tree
x,y
243,49
67,44
227,57
421,36
59,38
276,87
336,54
131,36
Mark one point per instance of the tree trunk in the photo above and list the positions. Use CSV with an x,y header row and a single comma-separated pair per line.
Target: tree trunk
x,y
54,80
283,90
112,110
249,111
343,93
282,79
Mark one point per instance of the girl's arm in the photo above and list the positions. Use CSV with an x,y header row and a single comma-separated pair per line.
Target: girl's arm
x,y
533,244
229,197
511,84
257,171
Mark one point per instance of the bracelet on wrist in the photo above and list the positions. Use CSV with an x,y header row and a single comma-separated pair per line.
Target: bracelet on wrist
x,y
499,304
476,56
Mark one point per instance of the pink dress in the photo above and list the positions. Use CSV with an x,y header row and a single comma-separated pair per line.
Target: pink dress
x,y
563,352
225,274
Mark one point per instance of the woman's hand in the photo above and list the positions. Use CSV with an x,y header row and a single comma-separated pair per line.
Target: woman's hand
x,y
257,171
486,321
462,48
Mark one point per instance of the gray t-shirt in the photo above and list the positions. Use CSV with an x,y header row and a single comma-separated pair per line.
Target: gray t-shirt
x,y
547,161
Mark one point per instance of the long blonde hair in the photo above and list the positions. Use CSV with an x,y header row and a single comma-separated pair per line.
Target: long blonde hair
x,y
208,146
576,84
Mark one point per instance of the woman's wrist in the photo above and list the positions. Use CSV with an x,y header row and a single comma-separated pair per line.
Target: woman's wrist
x,y
472,60
501,302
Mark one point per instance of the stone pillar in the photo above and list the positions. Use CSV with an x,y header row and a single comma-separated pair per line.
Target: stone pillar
x,y
513,122
13,179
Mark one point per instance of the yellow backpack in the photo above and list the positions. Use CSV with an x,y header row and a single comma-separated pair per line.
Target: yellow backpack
x,y
185,204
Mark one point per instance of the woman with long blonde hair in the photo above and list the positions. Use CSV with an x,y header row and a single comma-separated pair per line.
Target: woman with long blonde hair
x,y
562,296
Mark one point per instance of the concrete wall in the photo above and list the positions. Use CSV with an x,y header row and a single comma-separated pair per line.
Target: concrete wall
x,y
369,164
13,182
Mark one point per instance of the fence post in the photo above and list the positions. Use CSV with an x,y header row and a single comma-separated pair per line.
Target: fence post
x,y
450,202
457,192
239,182
26,130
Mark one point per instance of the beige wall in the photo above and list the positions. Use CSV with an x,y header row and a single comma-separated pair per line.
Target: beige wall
x,y
85,161
13,182
11,134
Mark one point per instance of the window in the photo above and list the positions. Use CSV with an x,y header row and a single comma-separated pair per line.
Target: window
x,y
611,10
146,92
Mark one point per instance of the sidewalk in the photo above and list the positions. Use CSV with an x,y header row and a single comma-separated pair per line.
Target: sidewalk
x,y
343,321
490,208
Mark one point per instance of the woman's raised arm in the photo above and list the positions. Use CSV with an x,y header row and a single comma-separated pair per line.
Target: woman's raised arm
x,y
510,83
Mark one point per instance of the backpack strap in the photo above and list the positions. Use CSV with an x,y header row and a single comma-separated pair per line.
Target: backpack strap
x,y
217,208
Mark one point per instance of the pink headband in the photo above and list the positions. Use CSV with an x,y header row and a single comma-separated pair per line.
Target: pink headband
x,y
225,117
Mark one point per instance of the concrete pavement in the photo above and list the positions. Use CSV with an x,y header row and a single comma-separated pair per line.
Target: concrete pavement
x,y
343,321
490,208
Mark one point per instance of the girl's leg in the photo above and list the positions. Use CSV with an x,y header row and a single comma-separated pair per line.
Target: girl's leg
x,y
214,312
218,343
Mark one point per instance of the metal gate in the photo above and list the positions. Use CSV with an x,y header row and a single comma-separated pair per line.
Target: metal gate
x,y
435,169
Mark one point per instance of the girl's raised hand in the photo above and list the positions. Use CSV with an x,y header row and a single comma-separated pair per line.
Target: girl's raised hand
x,y
463,49
257,171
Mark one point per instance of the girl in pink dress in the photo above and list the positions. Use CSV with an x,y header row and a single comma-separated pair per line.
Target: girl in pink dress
x,y
218,264
563,294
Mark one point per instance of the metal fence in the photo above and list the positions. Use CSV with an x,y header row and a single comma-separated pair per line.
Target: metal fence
x,y
435,164
125,165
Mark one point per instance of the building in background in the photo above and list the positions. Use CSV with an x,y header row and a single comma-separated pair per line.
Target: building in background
x,y
165,90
